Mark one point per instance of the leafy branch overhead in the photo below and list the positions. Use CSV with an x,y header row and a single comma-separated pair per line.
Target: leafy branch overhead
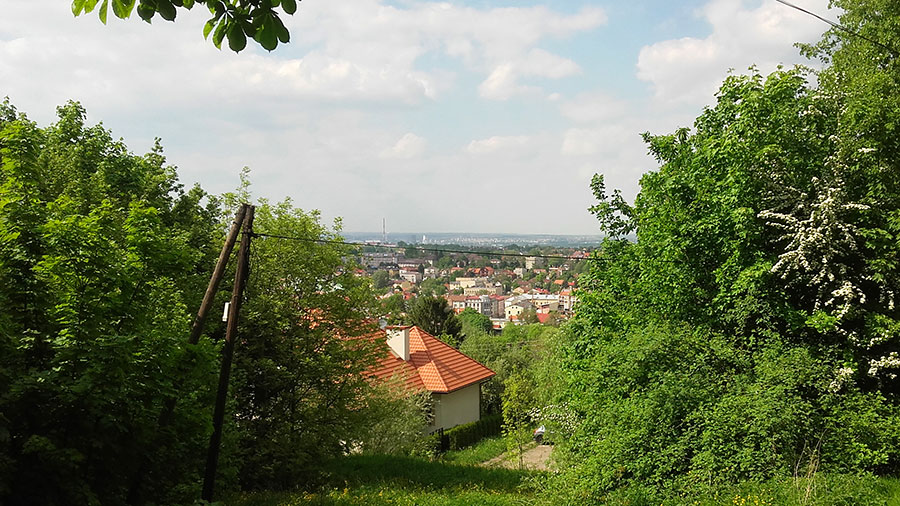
x,y
235,20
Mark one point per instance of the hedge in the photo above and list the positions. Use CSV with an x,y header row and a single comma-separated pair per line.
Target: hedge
x,y
468,434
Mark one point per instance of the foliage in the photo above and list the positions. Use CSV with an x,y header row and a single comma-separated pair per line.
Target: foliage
x,y
480,452
468,434
519,349
235,20
298,370
378,479
103,254
393,309
381,279
474,323
394,419
432,287
518,400
435,316
748,333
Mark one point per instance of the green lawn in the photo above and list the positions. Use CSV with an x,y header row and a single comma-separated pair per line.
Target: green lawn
x,y
482,451
456,480
363,480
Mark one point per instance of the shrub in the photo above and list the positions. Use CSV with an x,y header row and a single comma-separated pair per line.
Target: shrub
x,y
468,434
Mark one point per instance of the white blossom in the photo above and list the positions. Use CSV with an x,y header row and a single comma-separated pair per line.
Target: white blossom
x,y
820,238
840,378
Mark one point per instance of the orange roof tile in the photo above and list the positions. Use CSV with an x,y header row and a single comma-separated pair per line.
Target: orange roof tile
x,y
433,365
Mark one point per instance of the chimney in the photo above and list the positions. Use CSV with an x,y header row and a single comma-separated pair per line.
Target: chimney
x,y
398,340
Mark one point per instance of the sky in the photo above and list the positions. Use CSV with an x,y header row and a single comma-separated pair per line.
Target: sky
x,y
484,116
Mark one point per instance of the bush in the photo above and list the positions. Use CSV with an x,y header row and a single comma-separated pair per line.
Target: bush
x,y
468,434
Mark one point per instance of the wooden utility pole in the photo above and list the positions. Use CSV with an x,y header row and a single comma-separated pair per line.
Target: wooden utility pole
x,y
165,416
216,278
237,296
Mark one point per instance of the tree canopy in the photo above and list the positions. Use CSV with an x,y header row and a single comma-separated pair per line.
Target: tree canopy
x,y
105,257
235,20
750,330
435,316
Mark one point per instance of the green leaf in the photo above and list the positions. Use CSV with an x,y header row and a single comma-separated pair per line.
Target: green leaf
x,y
77,7
289,6
103,10
266,35
123,8
166,10
236,38
146,11
280,30
219,34
208,27
187,4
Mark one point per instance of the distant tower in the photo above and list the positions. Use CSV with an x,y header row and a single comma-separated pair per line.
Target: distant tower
x,y
383,232
423,239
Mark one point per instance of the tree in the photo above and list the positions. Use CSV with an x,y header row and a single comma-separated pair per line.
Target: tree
x,y
298,373
235,20
472,322
755,308
104,259
432,287
394,420
518,402
381,279
435,316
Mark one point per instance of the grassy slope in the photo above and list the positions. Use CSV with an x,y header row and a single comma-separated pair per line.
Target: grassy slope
x,y
364,480
457,480
485,450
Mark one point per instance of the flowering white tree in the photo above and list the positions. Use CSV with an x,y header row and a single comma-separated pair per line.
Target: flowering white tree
x,y
822,252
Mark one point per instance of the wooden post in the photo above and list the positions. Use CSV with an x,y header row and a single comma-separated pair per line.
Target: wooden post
x,y
217,274
237,295
165,416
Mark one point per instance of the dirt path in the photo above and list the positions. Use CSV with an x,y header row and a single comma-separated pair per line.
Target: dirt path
x,y
537,458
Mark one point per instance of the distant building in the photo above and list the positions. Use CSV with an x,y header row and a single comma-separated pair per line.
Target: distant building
x,y
514,310
532,262
567,300
373,260
411,275
457,302
496,289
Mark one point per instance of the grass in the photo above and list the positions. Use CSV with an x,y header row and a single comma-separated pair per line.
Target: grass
x,y
484,450
457,480
822,490
379,479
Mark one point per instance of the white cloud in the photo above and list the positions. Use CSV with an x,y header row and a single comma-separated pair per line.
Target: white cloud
x,y
498,144
594,107
689,70
408,146
504,81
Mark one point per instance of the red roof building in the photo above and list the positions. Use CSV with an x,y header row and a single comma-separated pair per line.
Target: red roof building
x,y
424,362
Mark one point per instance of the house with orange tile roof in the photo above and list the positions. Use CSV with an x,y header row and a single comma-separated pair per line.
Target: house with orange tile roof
x,y
424,362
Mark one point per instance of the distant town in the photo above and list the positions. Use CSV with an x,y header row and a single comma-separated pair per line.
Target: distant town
x,y
510,285
495,240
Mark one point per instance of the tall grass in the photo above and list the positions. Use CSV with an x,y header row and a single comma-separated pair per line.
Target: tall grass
x,y
379,479
484,450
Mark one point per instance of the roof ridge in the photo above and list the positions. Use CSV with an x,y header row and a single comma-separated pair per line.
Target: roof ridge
x,y
437,369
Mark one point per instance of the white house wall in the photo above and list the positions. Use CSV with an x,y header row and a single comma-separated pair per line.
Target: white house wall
x,y
456,408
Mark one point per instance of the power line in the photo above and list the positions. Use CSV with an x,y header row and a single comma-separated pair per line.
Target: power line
x,y
434,250
839,26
